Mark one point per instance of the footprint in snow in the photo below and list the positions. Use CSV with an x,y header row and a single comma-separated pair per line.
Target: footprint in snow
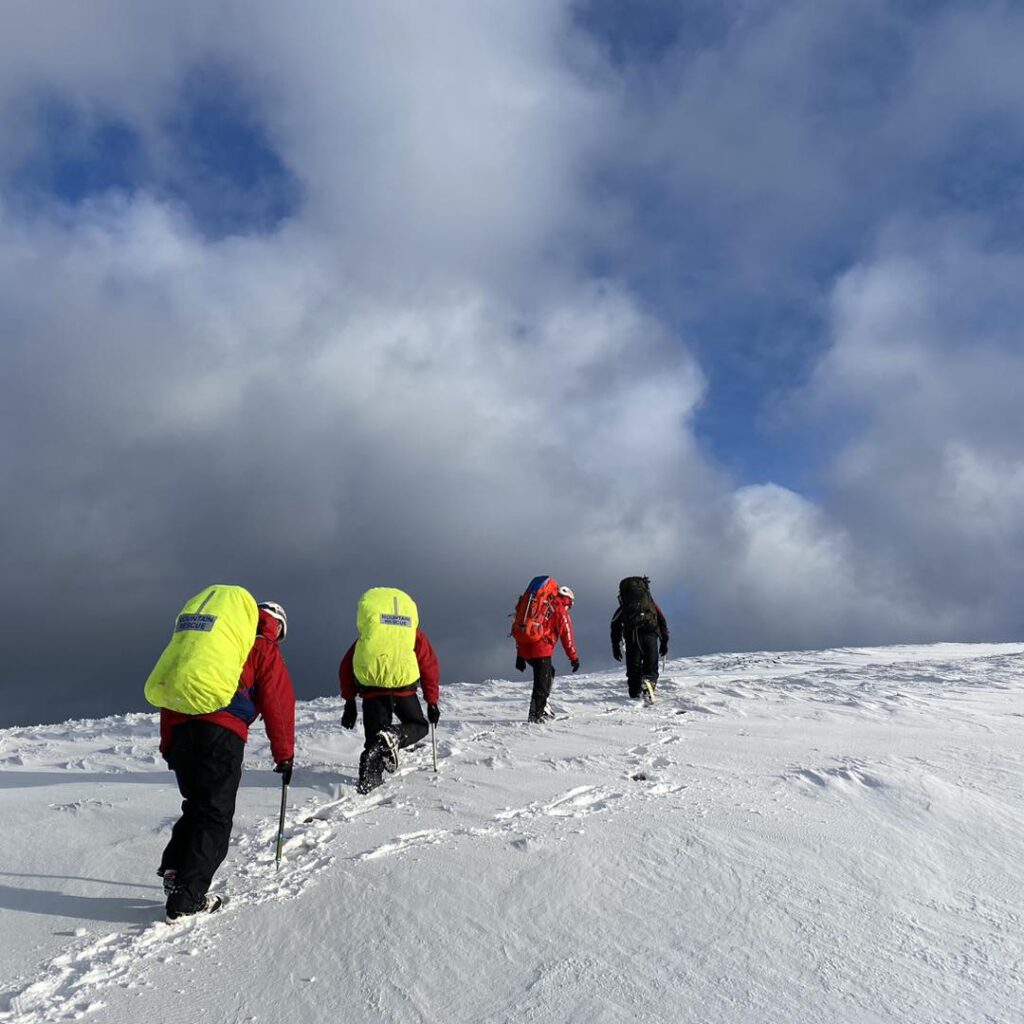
x,y
576,803
408,840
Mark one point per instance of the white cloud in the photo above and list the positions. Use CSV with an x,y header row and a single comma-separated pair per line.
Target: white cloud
x,y
928,358
794,578
418,380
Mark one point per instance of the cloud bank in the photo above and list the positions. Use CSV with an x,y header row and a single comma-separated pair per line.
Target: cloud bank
x,y
445,298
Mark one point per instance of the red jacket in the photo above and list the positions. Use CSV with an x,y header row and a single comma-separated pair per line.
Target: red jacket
x,y
264,688
559,628
430,675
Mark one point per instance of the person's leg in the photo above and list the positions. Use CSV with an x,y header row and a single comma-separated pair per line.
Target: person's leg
x,y
214,774
545,710
376,715
634,666
649,657
180,763
543,676
377,757
414,724
532,715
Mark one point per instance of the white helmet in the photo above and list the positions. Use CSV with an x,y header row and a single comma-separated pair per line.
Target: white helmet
x,y
567,592
274,609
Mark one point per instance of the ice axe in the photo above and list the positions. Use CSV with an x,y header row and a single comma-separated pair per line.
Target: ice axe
x,y
433,744
280,824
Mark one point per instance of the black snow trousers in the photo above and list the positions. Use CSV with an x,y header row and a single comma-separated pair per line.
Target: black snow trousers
x,y
641,660
207,762
377,712
543,680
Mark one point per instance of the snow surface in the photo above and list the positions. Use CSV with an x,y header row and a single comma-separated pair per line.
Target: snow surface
x,y
825,836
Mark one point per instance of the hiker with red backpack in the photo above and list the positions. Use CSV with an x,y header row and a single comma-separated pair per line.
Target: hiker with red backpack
x,y
540,621
221,670
639,621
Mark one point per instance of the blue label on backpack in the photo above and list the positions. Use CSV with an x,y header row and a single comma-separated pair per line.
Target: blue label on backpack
x,y
197,623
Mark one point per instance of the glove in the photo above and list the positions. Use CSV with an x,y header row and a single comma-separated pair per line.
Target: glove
x,y
663,648
284,769
575,665
433,715
520,664
348,716
617,653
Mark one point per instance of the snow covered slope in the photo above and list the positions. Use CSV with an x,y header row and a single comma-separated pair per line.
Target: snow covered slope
x,y
828,836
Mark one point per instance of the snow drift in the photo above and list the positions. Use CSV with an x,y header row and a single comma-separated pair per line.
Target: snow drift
x,y
823,836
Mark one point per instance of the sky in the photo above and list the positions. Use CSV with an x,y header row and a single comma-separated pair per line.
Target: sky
x,y
446,296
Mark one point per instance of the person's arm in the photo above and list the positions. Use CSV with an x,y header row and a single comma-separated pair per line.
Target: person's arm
x,y
663,629
165,733
430,668
616,628
346,676
616,631
275,700
565,634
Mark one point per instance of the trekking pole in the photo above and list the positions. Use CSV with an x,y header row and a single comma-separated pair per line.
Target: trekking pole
x,y
433,744
280,825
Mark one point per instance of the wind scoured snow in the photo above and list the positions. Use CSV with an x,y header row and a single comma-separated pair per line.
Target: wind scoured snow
x,y
822,836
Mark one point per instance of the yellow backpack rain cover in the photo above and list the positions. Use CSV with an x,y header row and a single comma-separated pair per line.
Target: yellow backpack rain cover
x,y
199,669
385,655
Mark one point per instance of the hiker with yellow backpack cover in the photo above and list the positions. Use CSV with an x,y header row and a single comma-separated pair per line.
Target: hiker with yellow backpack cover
x,y
383,667
220,671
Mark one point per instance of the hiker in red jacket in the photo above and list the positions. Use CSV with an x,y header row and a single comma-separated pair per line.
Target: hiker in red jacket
x,y
383,667
537,654
205,752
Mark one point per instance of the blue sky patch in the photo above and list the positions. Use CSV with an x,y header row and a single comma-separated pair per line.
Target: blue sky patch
x,y
77,157
226,169
211,154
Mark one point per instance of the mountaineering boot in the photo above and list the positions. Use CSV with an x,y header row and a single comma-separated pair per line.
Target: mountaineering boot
x,y
170,877
178,909
546,714
387,744
380,758
648,691
371,774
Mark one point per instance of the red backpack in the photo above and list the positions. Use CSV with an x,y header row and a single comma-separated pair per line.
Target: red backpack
x,y
532,619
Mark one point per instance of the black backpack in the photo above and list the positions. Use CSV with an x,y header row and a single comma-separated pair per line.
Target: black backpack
x,y
639,613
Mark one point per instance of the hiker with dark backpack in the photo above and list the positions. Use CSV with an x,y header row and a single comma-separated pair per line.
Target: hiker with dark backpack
x,y
639,621
540,621
221,670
